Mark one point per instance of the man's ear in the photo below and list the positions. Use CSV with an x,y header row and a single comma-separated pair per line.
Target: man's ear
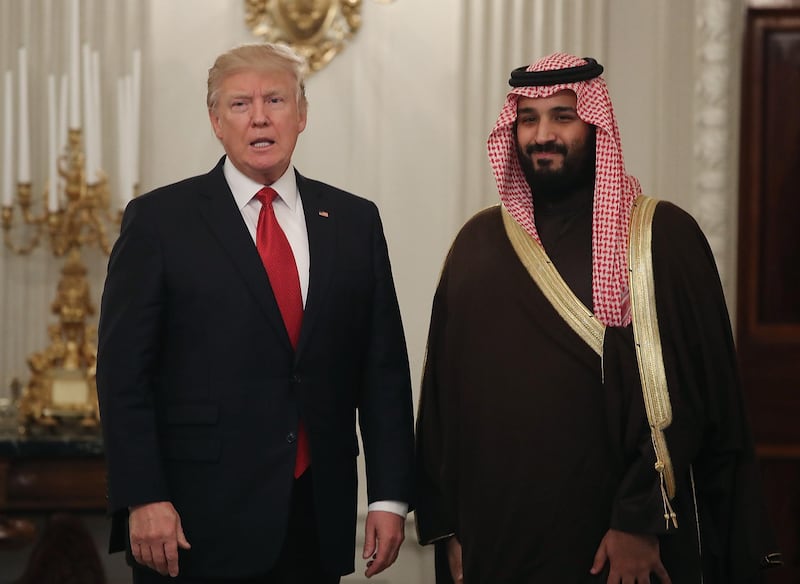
x,y
215,125
303,111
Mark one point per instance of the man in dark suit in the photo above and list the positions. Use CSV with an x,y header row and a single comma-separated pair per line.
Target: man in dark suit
x,y
241,328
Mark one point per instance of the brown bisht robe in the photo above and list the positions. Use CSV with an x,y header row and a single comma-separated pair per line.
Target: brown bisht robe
x,y
531,446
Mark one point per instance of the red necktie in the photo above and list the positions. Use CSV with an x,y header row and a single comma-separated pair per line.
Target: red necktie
x,y
278,259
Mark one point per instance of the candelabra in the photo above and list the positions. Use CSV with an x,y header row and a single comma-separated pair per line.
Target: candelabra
x,y
61,391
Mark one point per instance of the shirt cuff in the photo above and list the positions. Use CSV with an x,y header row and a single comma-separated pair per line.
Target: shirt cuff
x,y
396,507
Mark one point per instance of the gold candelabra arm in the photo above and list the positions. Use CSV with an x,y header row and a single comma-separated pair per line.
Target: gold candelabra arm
x,y
76,212
36,223
82,223
110,215
96,232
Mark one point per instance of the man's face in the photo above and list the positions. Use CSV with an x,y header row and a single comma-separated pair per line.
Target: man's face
x,y
257,119
555,147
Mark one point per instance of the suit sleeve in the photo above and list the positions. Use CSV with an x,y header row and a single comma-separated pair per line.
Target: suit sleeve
x,y
129,334
385,408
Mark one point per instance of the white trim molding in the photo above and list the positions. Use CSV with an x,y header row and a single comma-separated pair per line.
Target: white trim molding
x,y
715,122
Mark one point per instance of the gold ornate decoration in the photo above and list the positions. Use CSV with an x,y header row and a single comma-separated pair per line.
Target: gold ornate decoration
x,y
317,29
61,391
542,271
647,337
62,385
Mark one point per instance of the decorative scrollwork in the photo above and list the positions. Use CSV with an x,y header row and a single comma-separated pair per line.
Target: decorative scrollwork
x,y
713,190
317,29
62,391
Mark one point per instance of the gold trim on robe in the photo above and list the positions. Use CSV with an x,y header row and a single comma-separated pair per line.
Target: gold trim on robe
x,y
648,343
645,324
533,256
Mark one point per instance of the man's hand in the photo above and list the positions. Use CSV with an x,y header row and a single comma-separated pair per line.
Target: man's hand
x,y
632,558
454,560
384,532
156,534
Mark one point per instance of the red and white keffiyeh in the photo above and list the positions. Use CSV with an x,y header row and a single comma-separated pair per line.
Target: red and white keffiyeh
x,y
614,190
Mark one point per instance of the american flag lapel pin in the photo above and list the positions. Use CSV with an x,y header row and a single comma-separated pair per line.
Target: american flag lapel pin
x,y
323,214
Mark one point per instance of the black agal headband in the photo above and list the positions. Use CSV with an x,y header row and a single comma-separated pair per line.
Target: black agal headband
x,y
522,78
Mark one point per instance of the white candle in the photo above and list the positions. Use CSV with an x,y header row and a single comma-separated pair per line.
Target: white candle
x,y
136,102
74,68
61,143
122,137
52,146
63,101
24,155
97,109
8,135
88,116
132,131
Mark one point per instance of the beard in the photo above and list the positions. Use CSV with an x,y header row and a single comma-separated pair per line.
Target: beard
x,y
576,171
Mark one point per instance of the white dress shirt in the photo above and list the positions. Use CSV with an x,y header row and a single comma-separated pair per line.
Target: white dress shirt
x,y
288,207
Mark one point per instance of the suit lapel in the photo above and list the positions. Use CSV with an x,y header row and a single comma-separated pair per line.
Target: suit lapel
x,y
218,208
321,227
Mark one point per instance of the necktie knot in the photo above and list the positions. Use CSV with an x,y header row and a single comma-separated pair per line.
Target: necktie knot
x,y
266,195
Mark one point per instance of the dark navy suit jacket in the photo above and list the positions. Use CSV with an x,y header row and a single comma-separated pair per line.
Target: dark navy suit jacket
x,y
200,389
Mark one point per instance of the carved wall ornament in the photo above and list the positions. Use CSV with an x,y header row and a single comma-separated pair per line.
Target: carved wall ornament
x,y
715,114
317,29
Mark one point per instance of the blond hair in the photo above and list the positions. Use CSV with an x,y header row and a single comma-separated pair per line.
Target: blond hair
x,y
256,57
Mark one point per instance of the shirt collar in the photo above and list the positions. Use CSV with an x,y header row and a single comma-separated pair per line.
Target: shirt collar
x,y
244,188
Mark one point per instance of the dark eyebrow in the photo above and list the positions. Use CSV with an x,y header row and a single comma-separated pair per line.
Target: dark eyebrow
x,y
559,109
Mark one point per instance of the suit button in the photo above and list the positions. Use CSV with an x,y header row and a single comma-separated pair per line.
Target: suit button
x,y
291,437
295,379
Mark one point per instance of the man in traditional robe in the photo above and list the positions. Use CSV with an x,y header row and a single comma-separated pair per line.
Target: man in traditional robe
x,y
541,457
